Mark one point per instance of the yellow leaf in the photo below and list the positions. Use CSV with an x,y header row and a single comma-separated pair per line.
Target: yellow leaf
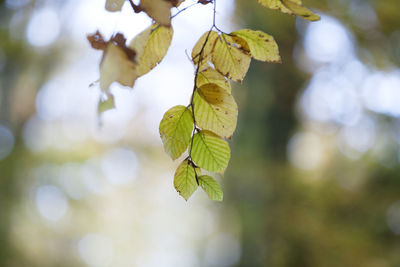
x,y
292,7
215,110
299,10
116,66
114,5
151,46
159,10
229,60
260,45
210,75
276,4
211,38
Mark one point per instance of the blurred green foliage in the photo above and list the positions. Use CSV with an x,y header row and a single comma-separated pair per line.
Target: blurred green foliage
x,y
288,220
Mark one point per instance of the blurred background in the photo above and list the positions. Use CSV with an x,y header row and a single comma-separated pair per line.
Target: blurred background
x,y
314,178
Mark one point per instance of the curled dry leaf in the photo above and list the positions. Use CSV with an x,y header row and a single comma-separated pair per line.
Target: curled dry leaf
x,y
176,3
205,2
159,10
114,5
96,40
118,63
116,67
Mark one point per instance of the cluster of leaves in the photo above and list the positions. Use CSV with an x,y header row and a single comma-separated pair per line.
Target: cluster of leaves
x,y
202,127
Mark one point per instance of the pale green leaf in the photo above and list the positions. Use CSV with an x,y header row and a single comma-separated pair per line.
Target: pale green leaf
x,y
116,66
229,60
215,109
292,7
210,75
211,187
159,10
260,45
176,130
114,5
211,38
185,180
106,104
210,151
151,45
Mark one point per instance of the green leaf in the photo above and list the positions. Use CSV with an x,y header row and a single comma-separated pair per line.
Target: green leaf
x,y
176,130
292,7
211,187
229,60
260,45
114,5
106,104
208,47
215,109
210,75
185,180
210,151
151,46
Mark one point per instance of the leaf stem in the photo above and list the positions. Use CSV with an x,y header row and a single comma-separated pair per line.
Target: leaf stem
x,y
195,128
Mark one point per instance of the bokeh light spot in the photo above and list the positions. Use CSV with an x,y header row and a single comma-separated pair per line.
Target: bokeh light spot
x,y
6,141
51,202
96,250
43,28
120,166
305,151
328,41
222,250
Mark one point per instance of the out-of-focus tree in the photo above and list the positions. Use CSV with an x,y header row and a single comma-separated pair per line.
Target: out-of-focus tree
x,y
341,211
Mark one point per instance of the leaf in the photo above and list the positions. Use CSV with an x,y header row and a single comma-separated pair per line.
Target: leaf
x,y
151,45
210,152
210,75
185,180
211,187
211,38
276,4
215,110
106,103
292,7
230,61
298,9
260,45
205,2
114,5
116,66
96,40
159,10
176,3
176,130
